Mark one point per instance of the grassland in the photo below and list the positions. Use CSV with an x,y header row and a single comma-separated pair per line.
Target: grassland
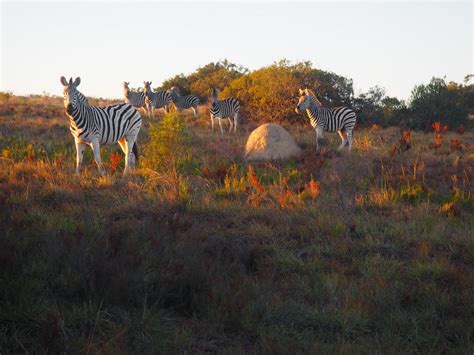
x,y
197,251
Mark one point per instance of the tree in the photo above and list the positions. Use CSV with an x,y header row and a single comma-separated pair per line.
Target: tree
x,y
439,102
200,82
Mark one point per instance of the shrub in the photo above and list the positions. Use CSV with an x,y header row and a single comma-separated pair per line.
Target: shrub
x,y
438,101
200,82
170,145
270,93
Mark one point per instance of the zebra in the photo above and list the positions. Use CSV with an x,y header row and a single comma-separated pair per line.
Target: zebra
x,y
156,99
184,102
227,108
93,126
334,119
134,98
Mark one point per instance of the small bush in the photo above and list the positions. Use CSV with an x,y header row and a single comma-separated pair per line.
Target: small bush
x,y
170,146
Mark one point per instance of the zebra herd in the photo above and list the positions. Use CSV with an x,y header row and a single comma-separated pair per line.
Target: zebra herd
x,y
149,100
120,123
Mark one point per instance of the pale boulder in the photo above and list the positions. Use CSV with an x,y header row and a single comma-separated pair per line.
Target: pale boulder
x,y
270,142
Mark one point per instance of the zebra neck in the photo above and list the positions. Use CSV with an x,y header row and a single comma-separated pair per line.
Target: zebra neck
x,y
313,111
81,110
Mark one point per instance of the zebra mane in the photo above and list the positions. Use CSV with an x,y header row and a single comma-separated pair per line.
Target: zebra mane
x,y
82,98
311,94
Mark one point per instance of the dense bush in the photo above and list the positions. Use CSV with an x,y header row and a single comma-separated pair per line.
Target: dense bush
x,y
200,83
440,101
271,93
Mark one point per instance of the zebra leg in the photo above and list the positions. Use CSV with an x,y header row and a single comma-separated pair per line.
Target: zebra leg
x,y
79,155
230,124
123,145
130,161
236,119
343,140
96,149
349,138
220,125
212,122
317,138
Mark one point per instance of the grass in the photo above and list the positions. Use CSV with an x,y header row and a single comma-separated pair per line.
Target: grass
x,y
369,252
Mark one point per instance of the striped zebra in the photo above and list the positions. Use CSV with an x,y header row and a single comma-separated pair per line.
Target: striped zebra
x,y
93,126
184,102
337,119
160,99
221,109
134,98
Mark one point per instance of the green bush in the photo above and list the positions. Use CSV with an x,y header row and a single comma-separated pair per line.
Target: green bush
x,y
271,93
170,145
440,102
213,75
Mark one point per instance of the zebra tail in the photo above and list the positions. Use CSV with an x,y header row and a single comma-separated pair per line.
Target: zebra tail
x,y
135,151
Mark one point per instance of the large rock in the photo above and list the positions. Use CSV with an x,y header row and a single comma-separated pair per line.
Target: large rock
x,y
270,142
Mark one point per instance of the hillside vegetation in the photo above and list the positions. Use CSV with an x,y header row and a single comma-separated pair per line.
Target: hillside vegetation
x,y
198,251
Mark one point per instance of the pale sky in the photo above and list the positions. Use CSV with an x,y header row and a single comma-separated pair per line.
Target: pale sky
x,y
395,45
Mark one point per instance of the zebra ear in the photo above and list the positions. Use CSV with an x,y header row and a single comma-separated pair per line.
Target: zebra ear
x,y
77,81
70,80
63,81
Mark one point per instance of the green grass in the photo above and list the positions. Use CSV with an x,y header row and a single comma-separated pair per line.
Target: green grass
x,y
210,257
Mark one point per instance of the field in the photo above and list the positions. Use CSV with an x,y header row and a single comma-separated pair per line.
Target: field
x,y
199,252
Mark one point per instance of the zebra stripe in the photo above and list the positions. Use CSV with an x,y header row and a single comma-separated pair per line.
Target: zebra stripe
x,y
160,99
134,98
94,126
221,109
337,119
184,102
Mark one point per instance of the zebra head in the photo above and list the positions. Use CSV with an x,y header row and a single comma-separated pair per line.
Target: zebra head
x,y
147,88
214,94
174,92
303,101
70,93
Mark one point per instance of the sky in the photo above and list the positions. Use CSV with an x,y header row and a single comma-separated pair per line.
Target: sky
x,y
395,45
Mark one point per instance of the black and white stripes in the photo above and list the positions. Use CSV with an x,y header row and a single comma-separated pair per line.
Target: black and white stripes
x,y
221,109
159,99
94,126
184,102
339,119
134,98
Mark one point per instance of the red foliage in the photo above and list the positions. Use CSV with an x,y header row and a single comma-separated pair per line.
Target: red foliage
x,y
460,129
115,159
313,188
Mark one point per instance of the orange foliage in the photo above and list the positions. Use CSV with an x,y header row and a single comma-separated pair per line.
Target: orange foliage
x,y
115,158
438,129
313,188
253,180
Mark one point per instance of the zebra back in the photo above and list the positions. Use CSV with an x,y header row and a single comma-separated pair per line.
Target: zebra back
x,y
183,102
225,108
